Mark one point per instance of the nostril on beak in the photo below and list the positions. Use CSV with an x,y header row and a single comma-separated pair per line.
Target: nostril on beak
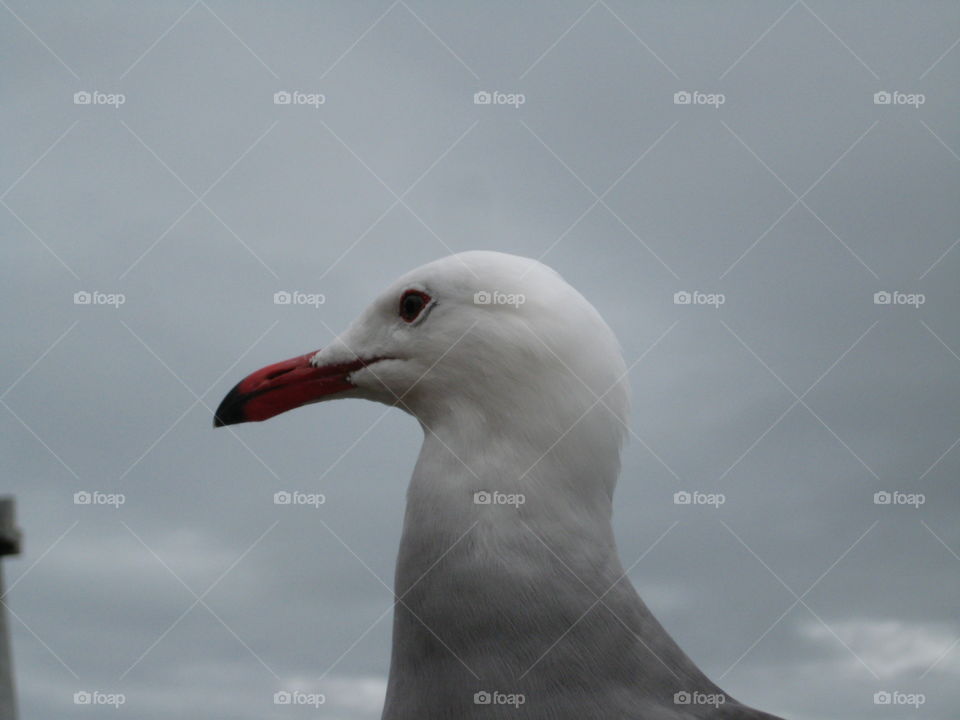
x,y
277,373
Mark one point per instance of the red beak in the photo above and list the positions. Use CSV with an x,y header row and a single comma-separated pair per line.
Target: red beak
x,y
283,386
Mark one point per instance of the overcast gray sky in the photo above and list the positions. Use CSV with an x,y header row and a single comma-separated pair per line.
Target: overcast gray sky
x,y
783,186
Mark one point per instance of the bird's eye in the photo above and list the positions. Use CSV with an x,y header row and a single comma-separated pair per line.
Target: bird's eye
x,y
412,303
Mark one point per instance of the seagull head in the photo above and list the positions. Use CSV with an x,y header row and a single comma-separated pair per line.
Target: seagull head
x,y
482,338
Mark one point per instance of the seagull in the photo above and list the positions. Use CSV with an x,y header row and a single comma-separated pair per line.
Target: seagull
x,y
511,601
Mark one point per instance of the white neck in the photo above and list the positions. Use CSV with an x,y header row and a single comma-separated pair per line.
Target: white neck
x,y
488,591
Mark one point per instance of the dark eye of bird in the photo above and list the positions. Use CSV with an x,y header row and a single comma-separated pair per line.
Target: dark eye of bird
x,y
412,304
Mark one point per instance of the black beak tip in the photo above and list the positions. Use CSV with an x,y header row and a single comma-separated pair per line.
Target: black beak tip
x,y
230,410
